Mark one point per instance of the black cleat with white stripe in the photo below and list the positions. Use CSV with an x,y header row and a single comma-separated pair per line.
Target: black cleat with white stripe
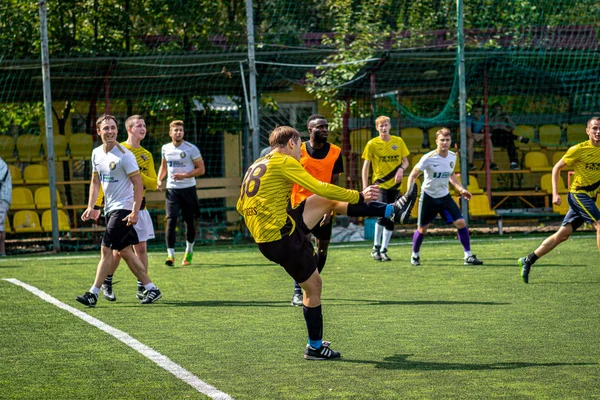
x,y
322,353
404,204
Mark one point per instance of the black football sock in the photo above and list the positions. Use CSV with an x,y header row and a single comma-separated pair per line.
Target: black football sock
x,y
314,324
108,279
372,209
532,258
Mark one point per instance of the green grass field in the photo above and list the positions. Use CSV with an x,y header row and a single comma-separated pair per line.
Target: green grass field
x,y
441,330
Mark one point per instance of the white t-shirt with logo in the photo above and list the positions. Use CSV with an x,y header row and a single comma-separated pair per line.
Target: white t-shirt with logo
x,y
180,160
114,169
436,170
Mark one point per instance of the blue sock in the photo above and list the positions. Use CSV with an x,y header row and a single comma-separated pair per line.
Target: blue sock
x,y
315,343
389,210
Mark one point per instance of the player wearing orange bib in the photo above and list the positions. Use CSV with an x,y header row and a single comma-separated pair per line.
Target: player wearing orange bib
x,y
323,161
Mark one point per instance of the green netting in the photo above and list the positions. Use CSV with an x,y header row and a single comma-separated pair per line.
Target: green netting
x,y
350,60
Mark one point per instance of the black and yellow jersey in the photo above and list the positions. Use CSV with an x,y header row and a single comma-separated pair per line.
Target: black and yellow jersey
x,y
266,191
385,158
145,162
584,158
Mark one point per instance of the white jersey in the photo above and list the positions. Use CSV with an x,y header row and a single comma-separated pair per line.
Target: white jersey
x,y
180,160
437,171
114,170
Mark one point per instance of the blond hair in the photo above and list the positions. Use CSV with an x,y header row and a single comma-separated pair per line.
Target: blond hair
x,y
380,120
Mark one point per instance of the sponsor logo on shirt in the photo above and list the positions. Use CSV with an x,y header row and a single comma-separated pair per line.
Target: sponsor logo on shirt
x,y
112,165
182,155
441,175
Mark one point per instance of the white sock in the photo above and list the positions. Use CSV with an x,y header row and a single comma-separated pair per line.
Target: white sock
x,y
387,236
189,247
468,254
171,252
378,234
415,255
95,290
150,286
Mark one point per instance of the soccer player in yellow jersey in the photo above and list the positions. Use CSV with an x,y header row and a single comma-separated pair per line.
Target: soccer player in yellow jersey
x,y
389,157
323,160
281,233
584,158
136,132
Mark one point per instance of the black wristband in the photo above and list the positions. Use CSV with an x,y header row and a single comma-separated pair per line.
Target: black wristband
x,y
97,207
361,198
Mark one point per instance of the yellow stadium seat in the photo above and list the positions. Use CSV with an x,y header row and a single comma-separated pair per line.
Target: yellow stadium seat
x,y
60,147
537,161
431,135
414,160
28,148
550,135
42,198
546,184
7,227
22,199
564,206
473,187
36,174
26,221
413,138
576,134
63,221
15,175
527,131
7,148
479,206
81,146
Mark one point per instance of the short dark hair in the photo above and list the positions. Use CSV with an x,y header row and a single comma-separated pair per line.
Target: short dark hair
x,y
103,118
129,121
314,117
592,119
281,135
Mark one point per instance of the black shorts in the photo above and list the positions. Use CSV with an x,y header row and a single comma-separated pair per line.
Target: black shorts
x,y
118,234
323,232
582,209
294,251
430,207
185,200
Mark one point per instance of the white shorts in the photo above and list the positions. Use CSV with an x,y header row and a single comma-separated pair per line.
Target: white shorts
x,y
144,227
4,206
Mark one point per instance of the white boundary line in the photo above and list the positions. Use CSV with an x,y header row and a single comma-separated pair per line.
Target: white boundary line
x,y
162,361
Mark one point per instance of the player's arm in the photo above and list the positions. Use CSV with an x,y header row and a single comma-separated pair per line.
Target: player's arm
x,y
162,172
149,180
100,199
294,172
138,195
555,178
365,173
198,170
414,174
401,169
456,183
90,212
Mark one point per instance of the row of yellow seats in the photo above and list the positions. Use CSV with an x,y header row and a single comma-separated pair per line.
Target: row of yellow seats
x,y
23,199
33,174
550,135
27,221
28,147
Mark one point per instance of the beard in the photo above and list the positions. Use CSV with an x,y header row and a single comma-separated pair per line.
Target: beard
x,y
320,139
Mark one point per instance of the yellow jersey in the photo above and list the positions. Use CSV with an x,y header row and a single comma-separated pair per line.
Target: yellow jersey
x,y
386,158
266,190
584,158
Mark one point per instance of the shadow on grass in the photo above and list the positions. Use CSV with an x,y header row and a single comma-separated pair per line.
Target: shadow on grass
x,y
226,303
402,362
285,303
3,266
420,302
219,265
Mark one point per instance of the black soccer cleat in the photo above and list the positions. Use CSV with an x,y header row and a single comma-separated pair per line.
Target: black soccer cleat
x,y
376,253
323,353
140,293
107,292
416,261
384,255
525,266
150,296
472,260
88,299
404,204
